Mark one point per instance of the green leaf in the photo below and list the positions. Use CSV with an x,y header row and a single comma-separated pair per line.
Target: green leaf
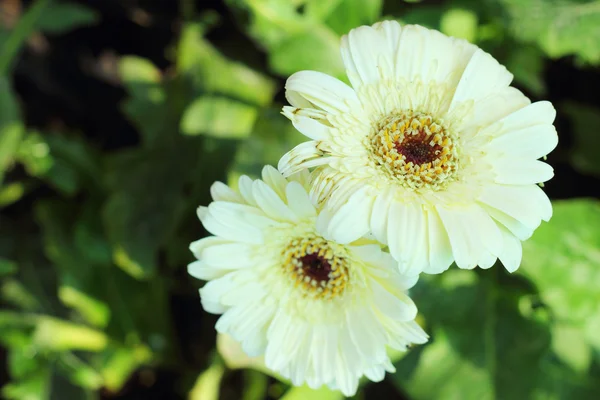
x,y
120,362
57,335
562,260
526,63
10,137
585,121
483,345
460,23
316,49
62,17
559,27
304,392
213,73
347,14
273,135
208,383
218,117
7,267
14,292
146,106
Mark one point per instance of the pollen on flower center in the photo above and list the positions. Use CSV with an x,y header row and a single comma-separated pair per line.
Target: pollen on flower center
x,y
414,150
316,267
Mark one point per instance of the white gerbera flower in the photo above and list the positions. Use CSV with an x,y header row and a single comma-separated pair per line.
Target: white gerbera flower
x,y
430,150
320,312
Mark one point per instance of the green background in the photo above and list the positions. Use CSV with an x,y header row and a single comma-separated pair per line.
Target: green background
x,y
115,118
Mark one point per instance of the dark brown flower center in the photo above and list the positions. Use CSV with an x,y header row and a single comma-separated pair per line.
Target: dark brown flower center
x,y
417,150
315,266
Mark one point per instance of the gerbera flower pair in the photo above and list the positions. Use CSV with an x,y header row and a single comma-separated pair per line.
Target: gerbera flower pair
x,y
429,158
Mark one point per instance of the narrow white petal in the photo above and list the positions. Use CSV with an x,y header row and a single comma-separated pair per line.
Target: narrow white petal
x,y
351,221
524,203
271,203
521,172
229,255
324,91
379,215
513,251
440,250
296,159
397,308
220,191
245,187
483,77
231,228
531,142
309,127
200,270
299,201
275,180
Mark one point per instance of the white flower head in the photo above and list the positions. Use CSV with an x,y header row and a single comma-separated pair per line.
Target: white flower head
x,y
321,312
430,150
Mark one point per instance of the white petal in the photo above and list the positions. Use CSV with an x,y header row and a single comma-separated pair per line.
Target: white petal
x,y
229,255
310,127
397,308
440,250
483,77
496,107
531,142
220,191
539,113
367,56
305,155
322,90
528,204
521,172
200,270
513,251
473,235
199,245
275,180
515,227
229,226
406,237
245,187
211,294
299,201
351,221
379,215
271,203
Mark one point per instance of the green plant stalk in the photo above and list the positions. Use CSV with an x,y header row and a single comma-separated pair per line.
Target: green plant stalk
x,y
19,34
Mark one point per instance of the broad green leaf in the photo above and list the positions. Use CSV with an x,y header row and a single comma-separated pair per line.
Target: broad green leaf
x,y
219,117
562,260
62,17
91,309
315,49
273,135
482,345
559,27
349,14
585,121
78,371
213,73
272,21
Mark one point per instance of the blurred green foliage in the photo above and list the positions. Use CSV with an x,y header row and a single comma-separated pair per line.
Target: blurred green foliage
x,y
88,268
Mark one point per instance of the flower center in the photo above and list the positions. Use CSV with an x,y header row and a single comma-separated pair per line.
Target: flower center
x,y
315,268
414,150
